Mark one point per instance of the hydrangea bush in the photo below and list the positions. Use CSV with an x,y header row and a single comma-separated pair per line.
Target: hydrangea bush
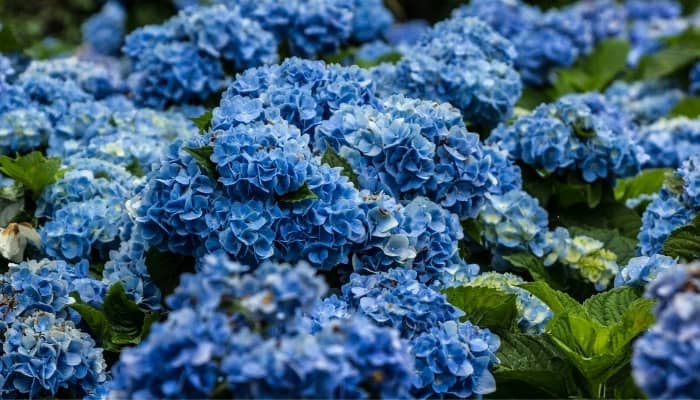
x,y
351,199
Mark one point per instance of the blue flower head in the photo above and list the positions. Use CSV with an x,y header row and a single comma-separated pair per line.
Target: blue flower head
x,y
463,62
670,142
454,359
664,358
396,298
104,31
577,132
645,101
639,271
43,354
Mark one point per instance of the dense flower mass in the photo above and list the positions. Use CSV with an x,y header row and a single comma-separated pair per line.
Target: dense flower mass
x,y
662,365
349,199
675,205
581,133
463,62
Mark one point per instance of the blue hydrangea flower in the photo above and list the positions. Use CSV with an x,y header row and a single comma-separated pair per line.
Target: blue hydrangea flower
x,y
695,79
454,359
410,148
371,19
645,10
663,362
261,160
419,235
23,129
408,32
45,285
544,40
577,132
639,271
104,31
513,221
302,92
689,173
662,216
646,36
177,359
273,294
606,18
464,62
127,265
347,358
645,101
91,77
374,51
670,142
43,354
533,314
396,298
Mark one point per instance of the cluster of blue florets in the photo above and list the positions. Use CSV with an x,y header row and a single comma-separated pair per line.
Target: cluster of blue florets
x,y
669,142
646,101
459,61
409,148
249,340
103,33
674,206
581,133
43,350
663,362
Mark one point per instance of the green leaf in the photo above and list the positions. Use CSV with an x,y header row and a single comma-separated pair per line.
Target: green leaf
x,y
165,269
535,267
203,157
608,216
648,181
623,247
569,194
688,107
609,307
682,50
120,322
8,39
334,159
594,71
391,58
203,121
303,193
532,97
98,324
473,230
558,302
684,242
484,306
33,170
533,361
125,317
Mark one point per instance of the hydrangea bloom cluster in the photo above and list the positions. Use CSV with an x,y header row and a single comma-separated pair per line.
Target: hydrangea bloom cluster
x,y
544,40
606,18
670,142
103,33
463,62
410,148
183,60
243,212
451,358
663,363
646,35
644,101
302,92
642,270
418,234
581,133
675,206
93,78
533,314
241,333
695,79
42,354
85,211
646,10
42,350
